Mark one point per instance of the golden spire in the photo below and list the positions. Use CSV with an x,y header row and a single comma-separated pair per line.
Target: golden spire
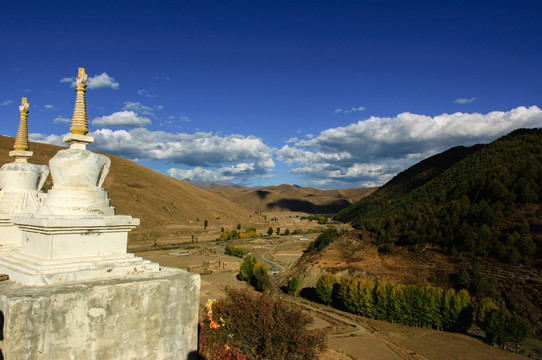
x,y
79,124
21,141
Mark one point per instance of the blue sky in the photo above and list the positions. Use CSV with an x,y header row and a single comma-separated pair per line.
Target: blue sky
x,y
331,94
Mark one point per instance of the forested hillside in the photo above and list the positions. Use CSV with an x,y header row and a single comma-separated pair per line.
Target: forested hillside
x,y
480,207
483,200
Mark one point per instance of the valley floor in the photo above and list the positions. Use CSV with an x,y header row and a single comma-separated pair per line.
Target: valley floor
x,y
349,336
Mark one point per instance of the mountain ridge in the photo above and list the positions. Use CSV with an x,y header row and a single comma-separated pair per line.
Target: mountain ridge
x,y
293,198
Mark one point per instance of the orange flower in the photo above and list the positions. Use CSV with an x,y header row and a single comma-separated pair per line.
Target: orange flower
x,y
214,324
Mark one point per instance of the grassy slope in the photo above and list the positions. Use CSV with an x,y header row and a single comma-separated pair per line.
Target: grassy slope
x,y
167,207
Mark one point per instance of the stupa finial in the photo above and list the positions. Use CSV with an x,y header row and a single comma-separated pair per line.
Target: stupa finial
x,y
21,141
79,124
78,137
20,148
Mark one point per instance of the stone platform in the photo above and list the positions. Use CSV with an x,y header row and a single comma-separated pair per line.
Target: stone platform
x,y
141,316
59,249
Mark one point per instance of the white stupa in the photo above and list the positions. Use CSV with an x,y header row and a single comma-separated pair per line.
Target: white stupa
x,y
74,235
20,184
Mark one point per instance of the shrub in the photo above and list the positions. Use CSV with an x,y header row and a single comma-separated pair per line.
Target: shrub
x,y
248,233
324,239
255,273
495,327
229,235
486,307
293,286
245,270
260,277
324,288
501,327
234,251
260,326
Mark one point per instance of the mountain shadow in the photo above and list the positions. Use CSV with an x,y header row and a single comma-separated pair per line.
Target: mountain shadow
x,y
309,207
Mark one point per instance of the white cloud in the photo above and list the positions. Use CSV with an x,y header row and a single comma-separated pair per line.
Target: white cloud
x,y
70,80
139,108
60,119
102,81
464,100
47,139
364,153
196,173
95,82
292,140
7,102
238,172
373,150
185,119
121,118
146,93
354,109
235,156
49,107
241,157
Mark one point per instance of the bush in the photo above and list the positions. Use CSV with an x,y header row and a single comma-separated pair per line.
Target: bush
x,y
486,307
324,239
248,233
293,286
495,327
259,326
501,327
229,235
234,251
255,273
245,270
260,277
324,288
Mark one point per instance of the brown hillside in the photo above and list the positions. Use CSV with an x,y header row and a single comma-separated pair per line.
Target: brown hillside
x,y
291,198
354,256
168,208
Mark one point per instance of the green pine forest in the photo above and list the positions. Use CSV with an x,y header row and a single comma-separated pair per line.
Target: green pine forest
x,y
482,200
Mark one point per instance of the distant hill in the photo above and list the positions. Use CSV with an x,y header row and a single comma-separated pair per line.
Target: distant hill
x,y
205,184
168,208
293,198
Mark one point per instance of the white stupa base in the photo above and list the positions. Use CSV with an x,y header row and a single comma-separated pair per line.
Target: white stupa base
x,y
10,235
69,201
70,237
16,202
61,249
29,270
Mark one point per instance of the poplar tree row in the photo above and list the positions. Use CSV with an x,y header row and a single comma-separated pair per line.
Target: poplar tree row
x,y
398,303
